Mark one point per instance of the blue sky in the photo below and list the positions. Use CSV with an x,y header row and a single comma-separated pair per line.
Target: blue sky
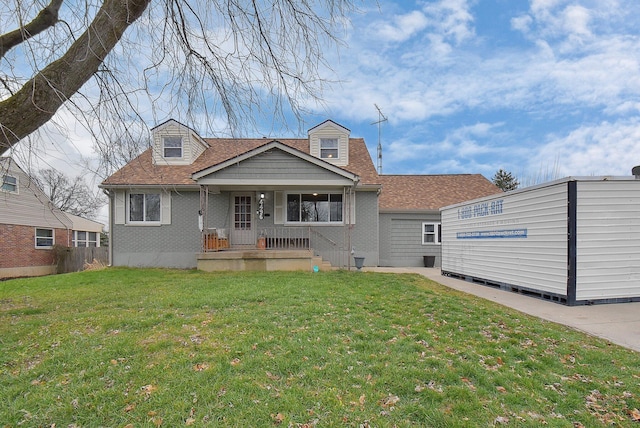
x,y
541,88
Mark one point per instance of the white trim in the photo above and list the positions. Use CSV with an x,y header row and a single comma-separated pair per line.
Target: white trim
x,y
16,184
35,238
436,233
314,223
175,139
143,221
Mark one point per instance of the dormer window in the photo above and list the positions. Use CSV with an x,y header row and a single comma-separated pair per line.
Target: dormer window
x,y
172,147
329,148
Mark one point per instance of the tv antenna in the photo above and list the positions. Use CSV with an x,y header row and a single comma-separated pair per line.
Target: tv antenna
x,y
381,118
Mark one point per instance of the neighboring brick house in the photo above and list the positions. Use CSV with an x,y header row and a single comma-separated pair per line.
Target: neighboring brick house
x,y
30,225
187,197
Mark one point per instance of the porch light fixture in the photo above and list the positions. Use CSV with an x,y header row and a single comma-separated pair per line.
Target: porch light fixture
x,y
261,195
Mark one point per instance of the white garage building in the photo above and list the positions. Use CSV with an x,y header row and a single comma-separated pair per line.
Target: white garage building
x,y
574,241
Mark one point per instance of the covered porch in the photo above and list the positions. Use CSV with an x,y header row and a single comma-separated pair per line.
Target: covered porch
x,y
275,206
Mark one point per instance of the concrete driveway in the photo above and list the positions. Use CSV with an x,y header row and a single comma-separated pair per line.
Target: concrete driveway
x,y
617,322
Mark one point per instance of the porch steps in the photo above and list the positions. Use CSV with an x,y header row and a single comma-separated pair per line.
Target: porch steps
x,y
260,260
322,264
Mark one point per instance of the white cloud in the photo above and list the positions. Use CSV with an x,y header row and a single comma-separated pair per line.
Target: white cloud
x,y
608,148
403,27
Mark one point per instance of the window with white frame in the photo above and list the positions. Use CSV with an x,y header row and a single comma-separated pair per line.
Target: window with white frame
x,y
431,233
45,238
314,207
144,207
9,184
82,238
172,147
329,148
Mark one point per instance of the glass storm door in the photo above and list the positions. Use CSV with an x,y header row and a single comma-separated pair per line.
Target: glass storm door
x,y
243,232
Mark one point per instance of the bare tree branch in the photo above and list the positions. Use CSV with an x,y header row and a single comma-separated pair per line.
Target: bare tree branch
x,y
48,17
39,99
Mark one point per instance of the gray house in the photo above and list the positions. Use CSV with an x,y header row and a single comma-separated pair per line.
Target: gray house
x,y
228,204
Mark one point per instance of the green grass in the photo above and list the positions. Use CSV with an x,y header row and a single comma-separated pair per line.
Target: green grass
x,y
135,348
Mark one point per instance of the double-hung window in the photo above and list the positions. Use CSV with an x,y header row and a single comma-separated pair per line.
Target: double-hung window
x,y
85,239
144,207
172,147
314,208
329,148
9,184
45,238
431,233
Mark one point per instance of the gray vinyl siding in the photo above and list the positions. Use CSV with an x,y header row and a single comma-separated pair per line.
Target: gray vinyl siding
x,y
274,164
177,244
401,239
168,245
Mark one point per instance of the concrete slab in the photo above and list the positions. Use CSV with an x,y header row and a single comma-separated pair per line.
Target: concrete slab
x,y
618,323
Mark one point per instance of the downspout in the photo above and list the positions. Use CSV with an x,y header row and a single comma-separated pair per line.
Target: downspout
x,y
351,216
111,208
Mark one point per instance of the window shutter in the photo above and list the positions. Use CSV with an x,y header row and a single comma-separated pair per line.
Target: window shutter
x,y
119,207
278,209
165,207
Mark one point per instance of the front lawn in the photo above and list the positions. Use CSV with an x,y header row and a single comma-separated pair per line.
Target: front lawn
x,y
134,348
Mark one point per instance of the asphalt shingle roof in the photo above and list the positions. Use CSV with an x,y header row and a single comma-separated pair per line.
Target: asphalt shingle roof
x,y
432,192
399,192
141,171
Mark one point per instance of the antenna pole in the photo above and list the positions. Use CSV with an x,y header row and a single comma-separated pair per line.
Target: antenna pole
x,y
381,118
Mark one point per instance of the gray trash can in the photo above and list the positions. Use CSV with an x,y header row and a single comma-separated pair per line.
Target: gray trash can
x,y
429,261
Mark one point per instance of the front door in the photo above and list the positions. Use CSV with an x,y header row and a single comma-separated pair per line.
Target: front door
x,y
242,230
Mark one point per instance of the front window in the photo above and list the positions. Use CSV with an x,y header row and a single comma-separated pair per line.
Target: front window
x,y
9,183
431,233
328,148
172,147
44,238
144,207
85,239
314,207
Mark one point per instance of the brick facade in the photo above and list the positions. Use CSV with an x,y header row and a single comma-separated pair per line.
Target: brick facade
x,y
17,246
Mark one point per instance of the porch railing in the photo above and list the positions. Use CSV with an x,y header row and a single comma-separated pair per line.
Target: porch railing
x,y
285,238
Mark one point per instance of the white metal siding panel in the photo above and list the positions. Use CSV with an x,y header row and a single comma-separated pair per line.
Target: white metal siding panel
x,y
608,253
538,262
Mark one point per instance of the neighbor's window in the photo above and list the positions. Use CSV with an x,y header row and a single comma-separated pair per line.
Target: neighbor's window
x,y
314,207
328,148
85,239
9,184
44,238
431,233
144,207
172,147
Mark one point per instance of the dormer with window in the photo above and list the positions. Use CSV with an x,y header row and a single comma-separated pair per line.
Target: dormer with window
x,y
176,144
330,142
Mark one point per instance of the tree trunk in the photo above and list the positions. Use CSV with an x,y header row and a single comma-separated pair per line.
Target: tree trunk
x,y
39,99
